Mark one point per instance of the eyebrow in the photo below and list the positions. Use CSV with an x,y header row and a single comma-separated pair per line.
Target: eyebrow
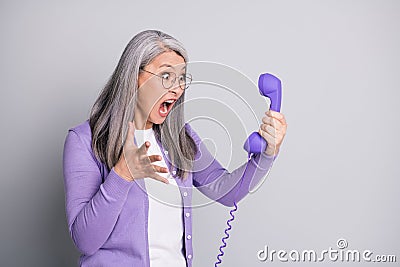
x,y
168,65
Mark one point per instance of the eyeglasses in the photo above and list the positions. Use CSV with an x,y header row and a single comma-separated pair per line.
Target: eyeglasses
x,y
169,78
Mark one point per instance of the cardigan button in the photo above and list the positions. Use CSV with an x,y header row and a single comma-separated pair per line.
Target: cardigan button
x,y
189,236
174,172
166,152
189,256
185,194
187,214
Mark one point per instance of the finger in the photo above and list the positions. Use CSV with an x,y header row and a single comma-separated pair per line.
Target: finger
x,y
159,168
267,120
268,137
277,115
160,178
277,136
274,123
273,142
155,158
145,147
269,129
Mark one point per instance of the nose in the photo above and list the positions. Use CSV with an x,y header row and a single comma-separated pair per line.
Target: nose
x,y
175,88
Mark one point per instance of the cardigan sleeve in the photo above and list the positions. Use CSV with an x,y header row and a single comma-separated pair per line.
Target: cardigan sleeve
x,y
92,207
217,183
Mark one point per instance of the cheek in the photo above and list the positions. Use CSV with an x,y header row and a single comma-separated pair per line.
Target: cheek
x,y
148,98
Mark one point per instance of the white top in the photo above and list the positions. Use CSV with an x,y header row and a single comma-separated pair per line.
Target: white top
x,y
165,225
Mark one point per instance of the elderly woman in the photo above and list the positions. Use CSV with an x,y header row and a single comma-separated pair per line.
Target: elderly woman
x,y
136,135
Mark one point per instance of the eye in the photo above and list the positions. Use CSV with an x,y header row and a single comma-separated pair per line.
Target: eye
x,y
182,78
166,75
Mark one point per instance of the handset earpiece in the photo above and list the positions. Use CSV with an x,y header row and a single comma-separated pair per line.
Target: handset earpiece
x,y
269,86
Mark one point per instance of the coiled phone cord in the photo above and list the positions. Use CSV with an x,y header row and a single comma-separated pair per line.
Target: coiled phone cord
x,y
219,260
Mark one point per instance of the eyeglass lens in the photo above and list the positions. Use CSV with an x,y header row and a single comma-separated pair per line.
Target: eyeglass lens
x,y
169,78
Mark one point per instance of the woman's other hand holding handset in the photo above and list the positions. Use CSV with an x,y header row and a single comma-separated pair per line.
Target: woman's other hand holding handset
x,y
273,130
134,162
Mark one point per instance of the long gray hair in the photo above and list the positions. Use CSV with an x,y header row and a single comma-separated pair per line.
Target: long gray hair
x,y
115,105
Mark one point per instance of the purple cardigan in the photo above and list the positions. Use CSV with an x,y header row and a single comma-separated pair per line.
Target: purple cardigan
x,y
108,215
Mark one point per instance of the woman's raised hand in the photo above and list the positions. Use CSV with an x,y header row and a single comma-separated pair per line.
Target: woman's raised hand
x,y
134,162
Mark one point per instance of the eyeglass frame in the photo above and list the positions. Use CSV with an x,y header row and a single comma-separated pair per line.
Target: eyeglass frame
x,y
172,84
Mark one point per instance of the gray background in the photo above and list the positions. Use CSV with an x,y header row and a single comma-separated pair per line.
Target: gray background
x,y
337,174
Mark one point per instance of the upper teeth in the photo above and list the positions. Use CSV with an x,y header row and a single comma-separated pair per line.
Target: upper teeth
x,y
170,101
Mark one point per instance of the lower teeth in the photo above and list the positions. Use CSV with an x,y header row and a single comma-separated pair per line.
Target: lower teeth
x,y
164,109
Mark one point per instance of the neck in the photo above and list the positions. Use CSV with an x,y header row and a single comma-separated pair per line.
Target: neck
x,y
149,125
140,124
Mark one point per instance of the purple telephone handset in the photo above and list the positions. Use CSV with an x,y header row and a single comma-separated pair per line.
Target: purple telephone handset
x,y
269,86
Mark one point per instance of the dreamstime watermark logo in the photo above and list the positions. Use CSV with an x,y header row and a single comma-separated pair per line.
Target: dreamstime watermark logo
x,y
331,254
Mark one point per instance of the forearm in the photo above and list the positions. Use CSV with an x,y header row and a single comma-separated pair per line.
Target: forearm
x,y
225,187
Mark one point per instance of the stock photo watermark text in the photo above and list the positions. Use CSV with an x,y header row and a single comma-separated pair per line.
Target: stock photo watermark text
x,y
341,253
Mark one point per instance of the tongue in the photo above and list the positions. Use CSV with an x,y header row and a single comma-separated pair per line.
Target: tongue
x,y
163,108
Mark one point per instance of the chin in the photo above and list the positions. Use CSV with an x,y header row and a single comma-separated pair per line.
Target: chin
x,y
158,120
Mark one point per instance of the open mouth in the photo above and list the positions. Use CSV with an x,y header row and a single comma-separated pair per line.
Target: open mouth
x,y
165,107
